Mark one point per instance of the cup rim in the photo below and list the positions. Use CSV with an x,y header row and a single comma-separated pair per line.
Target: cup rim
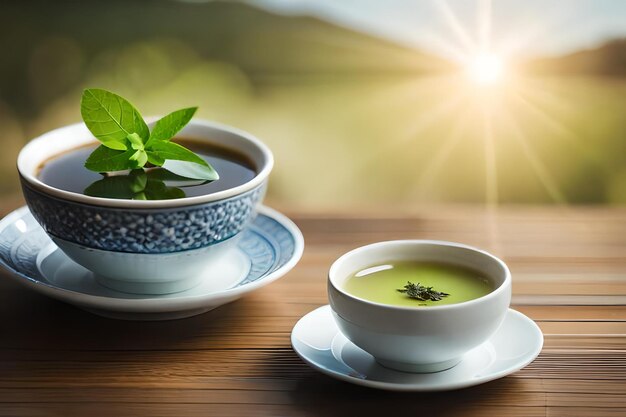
x,y
332,275
262,172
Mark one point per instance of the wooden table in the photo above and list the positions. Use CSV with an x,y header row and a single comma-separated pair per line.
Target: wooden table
x,y
569,274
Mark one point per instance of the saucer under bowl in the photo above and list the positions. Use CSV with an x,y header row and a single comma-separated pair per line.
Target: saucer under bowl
x,y
269,248
319,342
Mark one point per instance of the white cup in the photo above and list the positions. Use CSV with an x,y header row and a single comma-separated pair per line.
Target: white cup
x,y
419,339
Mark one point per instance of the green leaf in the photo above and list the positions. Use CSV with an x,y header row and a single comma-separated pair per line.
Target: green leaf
x,y
171,150
135,141
183,162
138,180
166,127
155,159
104,159
191,170
119,187
139,159
172,180
156,190
114,144
111,118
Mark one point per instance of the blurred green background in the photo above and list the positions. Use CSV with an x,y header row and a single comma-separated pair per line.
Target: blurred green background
x,y
353,119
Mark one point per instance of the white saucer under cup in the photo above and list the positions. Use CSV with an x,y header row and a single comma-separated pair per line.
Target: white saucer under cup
x,y
267,250
318,341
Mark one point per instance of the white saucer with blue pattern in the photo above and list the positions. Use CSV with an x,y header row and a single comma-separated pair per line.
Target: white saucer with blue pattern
x,y
266,251
318,341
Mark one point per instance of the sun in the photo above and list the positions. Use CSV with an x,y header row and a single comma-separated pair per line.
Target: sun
x,y
486,69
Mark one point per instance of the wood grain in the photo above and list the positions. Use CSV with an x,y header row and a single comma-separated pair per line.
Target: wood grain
x,y
569,269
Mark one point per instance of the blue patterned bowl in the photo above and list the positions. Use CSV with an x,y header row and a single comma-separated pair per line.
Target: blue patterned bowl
x,y
147,247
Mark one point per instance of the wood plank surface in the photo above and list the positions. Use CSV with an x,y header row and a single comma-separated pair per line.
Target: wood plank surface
x,y
569,274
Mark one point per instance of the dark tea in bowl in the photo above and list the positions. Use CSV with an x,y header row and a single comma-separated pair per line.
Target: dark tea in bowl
x,y
145,231
67,172
418,305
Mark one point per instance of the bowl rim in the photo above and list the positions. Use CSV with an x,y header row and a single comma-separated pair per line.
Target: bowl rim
x,y
263,172
504,286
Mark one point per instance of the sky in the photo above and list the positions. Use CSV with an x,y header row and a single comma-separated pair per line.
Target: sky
x,y
450,28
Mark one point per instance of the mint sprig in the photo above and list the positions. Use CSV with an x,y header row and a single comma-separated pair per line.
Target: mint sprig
x,y
127,142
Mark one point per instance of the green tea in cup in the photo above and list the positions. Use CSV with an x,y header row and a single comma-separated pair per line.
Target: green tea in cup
x,y
417,284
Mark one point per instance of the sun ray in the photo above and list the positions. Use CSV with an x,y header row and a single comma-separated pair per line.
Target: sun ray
x,y
491,171
453,22
491,180
513,45
426,178
528,30
539,96
426,120
541,171
484,25
558,129
403,93
553,125
444,47
445,107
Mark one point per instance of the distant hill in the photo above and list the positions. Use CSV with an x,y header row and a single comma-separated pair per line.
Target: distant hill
x,y
256,41
606,60
263,45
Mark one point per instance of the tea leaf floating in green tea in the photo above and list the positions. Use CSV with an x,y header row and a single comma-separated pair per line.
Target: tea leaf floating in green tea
x,y
419,292
127,142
